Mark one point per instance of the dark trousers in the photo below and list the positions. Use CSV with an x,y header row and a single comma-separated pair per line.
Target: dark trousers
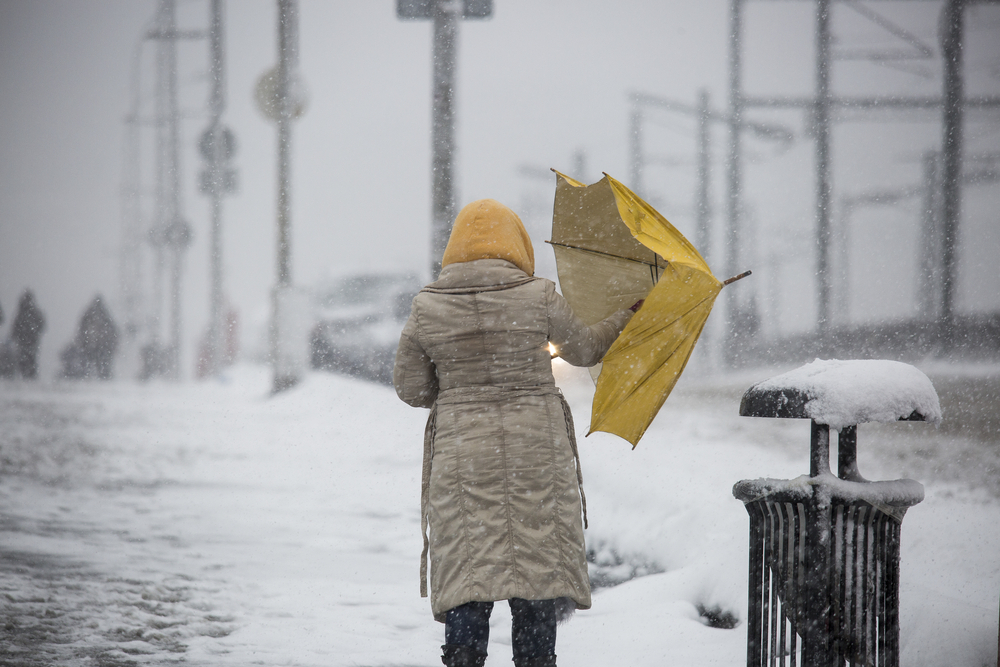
x,y
533,634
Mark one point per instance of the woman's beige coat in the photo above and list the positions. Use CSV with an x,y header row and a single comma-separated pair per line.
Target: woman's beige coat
x,y
502,488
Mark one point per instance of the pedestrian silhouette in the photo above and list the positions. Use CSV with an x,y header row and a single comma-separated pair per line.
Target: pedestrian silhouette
x,y
8,355
92,352
29,323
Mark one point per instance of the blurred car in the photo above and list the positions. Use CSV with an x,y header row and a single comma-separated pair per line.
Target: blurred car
x,y
359,319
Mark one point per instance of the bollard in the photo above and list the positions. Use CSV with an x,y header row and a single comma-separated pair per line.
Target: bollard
x,y
824,549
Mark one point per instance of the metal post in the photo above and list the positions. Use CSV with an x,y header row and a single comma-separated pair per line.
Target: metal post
x,y
131,278
702,205
176,240
840,299
821,128
580,165
171,233
819,450
155,322
163,214
929,281
174,363
951,147
446,17
217,104
287,65
445,14
635,146
733,171
705,117
815,643
284,378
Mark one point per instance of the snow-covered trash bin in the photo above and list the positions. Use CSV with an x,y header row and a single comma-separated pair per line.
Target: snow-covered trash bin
x,y
824,549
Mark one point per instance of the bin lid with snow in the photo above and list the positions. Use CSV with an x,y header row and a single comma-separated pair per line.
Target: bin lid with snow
x,y
844,393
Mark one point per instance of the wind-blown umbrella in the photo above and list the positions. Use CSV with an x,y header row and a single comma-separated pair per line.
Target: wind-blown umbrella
x,y
612,249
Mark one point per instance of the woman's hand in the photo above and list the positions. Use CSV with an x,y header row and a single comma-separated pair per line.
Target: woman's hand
x,y
637,305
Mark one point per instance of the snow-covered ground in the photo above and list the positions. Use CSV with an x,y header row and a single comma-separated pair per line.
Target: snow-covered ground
x,y
211,524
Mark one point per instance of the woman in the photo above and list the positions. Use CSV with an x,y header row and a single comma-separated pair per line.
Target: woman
x,y
502,489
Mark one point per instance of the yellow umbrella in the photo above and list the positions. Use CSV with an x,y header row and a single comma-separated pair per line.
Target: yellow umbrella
x,y
612,248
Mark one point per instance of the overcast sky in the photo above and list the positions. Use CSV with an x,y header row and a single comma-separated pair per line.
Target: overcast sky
x,y
538,83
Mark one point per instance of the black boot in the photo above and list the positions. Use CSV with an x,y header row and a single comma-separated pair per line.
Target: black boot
x,y
456,655
545,661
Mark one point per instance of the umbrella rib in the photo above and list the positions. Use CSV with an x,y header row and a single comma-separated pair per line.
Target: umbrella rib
x,y
606,254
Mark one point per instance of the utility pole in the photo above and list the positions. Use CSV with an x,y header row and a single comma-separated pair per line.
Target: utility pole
x,y
951,153
131,266
734,173
821,129
217,147
824,107
171,234
443,133
153,361
445,15
280,98
703,206
288,62
635,149
929,300
705,116
217,103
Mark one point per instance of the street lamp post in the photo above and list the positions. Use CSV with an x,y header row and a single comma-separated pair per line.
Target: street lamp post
x,y
171,234
445,14
280,98
217,146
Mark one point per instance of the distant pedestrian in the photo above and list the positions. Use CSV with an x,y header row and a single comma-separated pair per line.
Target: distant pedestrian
x,y
8,355
29,323
99,339
8,359
92,352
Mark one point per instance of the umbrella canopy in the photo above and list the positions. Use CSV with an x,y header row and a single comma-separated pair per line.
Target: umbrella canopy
x,y
602,267
612,249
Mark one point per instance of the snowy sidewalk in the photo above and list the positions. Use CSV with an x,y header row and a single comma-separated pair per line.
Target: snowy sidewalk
x,y
210,524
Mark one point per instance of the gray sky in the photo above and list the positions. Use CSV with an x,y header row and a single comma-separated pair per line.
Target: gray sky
x,y
538,82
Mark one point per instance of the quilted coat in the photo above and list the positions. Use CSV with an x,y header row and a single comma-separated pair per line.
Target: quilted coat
x,y
502,489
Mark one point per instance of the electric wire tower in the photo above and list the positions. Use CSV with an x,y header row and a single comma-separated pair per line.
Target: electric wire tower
x,y
147,346
217,146
171,233
824,107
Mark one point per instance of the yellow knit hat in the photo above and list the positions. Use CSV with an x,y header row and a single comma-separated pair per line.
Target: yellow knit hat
x,y
486,229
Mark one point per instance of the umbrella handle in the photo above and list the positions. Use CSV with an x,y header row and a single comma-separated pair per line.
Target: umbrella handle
x,y
735,278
